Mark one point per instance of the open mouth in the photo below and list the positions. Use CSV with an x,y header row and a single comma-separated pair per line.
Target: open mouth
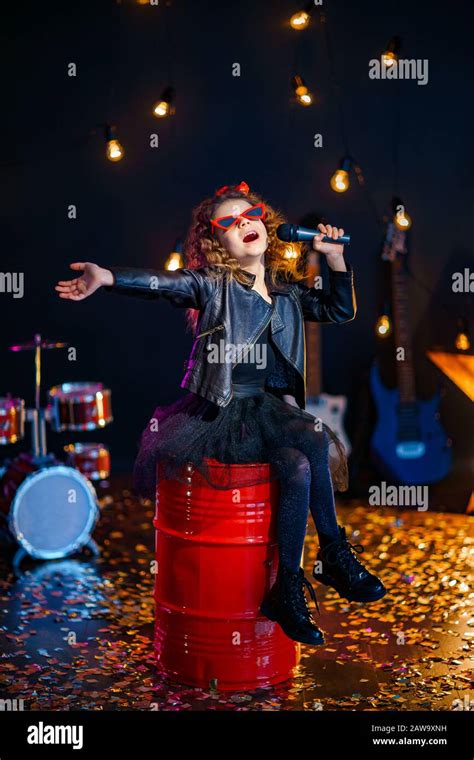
x,y
250,237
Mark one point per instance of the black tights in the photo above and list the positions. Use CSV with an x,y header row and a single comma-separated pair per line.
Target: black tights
x,y
305,484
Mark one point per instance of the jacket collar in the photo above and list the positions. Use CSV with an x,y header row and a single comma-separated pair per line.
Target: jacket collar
x,y
280,287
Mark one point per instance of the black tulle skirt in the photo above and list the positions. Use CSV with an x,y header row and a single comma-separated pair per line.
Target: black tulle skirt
x,y
193,430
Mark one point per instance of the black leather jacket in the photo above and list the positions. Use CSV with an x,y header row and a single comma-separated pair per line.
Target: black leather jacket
x,y
237,314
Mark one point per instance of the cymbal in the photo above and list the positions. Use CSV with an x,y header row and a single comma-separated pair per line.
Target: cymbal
x,y
32,345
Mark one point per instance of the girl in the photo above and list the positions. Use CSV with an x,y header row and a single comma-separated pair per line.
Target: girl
x,y
246,380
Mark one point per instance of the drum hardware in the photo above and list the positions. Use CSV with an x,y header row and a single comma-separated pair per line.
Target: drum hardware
x,y
38,430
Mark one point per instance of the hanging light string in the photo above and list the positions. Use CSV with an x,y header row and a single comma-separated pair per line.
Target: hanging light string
x,y
168,46
396,135
336,87
337,95
114,60
168,94
302,93
85,140
368,195
114,150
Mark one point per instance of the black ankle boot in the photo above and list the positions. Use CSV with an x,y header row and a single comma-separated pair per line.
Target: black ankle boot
x,y
342,570
286,604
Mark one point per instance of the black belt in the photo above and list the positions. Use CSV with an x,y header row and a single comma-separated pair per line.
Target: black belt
x,y
242,390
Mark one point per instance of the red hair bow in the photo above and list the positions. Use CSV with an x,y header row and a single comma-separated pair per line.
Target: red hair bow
x,y
242,187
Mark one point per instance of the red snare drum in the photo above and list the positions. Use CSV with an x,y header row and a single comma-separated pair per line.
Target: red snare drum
x,y
92,459
79,406
12,419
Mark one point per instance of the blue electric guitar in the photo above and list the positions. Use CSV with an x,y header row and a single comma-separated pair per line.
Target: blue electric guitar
x,y
408,445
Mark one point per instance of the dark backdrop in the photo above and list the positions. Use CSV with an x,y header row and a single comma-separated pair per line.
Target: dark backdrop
x,y
225,129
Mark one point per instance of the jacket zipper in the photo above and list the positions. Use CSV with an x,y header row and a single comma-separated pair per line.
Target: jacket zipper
x,y
287,357
209,332
267,321
282,353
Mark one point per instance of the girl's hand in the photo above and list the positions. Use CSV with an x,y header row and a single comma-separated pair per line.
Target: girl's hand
x,y
92,279
332,251
329,231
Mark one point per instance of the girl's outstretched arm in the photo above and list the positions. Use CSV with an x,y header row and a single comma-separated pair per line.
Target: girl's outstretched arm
x,y
189,288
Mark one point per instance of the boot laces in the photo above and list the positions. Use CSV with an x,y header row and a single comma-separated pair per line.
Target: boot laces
x,y
344,553
300,597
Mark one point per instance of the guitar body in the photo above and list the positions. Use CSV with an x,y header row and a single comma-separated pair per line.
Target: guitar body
x,y
402,456
331,410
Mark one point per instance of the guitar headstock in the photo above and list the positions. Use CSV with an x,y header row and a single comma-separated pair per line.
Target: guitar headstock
x,y
395,242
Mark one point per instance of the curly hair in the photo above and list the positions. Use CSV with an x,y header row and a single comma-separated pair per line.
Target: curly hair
x,y
202,248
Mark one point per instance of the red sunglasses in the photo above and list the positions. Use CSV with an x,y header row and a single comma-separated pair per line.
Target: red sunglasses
x,y
226,222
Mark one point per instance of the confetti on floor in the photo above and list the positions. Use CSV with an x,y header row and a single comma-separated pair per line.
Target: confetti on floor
x,y
77,633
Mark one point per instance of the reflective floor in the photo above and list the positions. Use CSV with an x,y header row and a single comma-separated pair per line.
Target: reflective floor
x,y
78,633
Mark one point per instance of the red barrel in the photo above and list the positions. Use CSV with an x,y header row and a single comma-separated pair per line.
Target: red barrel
x,y
216,557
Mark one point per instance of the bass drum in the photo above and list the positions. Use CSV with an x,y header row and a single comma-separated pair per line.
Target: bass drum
x,y
50,510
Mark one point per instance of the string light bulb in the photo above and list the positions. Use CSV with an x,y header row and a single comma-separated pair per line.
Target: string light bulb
x,y
291,251
303,95
383,326
340,179
114,149
164,106
175,259
299,20
402,220
390,54
462,341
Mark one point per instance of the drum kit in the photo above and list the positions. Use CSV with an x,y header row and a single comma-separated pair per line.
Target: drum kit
x,y
49,507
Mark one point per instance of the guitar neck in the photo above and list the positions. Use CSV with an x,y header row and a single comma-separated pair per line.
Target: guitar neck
x,y
402,333
313,336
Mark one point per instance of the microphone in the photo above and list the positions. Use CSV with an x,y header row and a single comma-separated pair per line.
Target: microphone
x,y
292,233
